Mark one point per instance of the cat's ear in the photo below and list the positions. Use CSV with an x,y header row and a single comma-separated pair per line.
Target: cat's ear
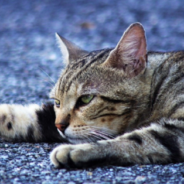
x,y
70,51
130,53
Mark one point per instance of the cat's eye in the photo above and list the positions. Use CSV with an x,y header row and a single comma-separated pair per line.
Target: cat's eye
x,y
87,98
84,100
57,103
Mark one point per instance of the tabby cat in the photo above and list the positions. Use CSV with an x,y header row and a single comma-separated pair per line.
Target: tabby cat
x,y
119,106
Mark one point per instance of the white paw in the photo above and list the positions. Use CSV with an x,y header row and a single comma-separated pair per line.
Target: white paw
x,y
72,155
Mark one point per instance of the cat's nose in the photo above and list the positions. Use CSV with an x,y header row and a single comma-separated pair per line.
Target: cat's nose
x,y
62,126
62,122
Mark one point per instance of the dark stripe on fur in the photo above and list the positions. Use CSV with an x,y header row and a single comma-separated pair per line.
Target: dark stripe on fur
x,y
136,138
180,119
175,108
126,112
132,102
159,84
179,90
46,120
170,86
101,111
171,127
96,58
170,143
174,128
177,78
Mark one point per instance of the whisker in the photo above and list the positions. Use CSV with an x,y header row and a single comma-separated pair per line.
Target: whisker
x,y
99,135
109,136
105,130
88,138
104,134
93,137
93,134
52,82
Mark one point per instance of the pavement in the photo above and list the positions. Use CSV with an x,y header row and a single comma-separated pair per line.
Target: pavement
x,y
30,63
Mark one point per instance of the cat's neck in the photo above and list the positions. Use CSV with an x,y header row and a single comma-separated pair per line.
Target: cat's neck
x,y
144,110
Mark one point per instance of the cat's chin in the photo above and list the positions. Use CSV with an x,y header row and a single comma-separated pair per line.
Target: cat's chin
x,y
72,140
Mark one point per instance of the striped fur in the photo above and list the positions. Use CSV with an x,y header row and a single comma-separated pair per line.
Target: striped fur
x,y
135,114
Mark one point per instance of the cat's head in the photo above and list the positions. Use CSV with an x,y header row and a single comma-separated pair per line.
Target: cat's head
x,y
97,95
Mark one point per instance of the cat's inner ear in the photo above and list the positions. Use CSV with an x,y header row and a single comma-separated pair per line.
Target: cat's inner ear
x,y
130,53
70,51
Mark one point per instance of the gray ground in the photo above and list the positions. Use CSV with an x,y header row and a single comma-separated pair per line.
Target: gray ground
x,y
30,62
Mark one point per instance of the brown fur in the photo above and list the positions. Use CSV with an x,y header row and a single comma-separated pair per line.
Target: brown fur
x,y
135,113
138,95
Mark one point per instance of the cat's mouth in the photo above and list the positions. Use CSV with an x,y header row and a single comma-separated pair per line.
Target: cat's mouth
x,y
61,134
94,136
70,139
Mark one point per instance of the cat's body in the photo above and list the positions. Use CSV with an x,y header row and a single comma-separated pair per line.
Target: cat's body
x,y
124,105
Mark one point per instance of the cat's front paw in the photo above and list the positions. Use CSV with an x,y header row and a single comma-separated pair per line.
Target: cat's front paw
x,y
71,156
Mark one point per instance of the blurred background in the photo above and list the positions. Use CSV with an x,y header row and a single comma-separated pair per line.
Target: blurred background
x,y
30,61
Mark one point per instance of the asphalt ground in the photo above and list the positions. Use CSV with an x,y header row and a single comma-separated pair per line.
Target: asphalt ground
x,y
30,63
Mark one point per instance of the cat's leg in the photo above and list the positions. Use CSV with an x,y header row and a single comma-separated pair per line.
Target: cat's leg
x,y
161,142
28,123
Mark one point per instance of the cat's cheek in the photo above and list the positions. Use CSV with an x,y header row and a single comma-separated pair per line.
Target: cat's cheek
x,y
68,132
72,135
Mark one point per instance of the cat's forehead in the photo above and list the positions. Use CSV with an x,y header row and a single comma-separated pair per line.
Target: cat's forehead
x,y
92,58
77,71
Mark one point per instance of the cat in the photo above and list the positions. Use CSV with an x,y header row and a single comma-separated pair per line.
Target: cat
x,y
115,106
